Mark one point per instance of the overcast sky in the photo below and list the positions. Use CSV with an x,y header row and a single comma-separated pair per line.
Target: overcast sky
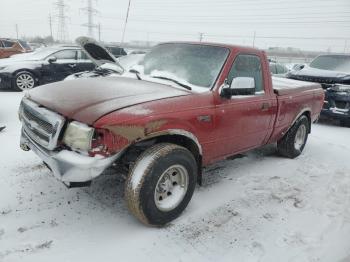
x,y
306,24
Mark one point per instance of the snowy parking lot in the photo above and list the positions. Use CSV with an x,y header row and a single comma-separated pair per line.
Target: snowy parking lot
x,y
254,207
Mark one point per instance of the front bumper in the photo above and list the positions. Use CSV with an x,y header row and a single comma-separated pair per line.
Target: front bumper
x,y
69,166
336,105
334,113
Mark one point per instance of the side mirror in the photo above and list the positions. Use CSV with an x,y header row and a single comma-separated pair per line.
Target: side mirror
x,y
239,86
52,59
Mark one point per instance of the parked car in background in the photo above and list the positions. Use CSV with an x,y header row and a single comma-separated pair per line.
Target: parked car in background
x,y
116,51
294,66
125,63
9,47
189,106
138,52
278,69
333,73
106,63
47,65
36,46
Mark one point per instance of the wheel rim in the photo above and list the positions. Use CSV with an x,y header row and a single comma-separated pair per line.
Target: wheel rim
x,y
300,137
25,81
171,188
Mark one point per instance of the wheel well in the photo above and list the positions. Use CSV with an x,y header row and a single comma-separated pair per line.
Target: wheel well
x,y
25,70
135,150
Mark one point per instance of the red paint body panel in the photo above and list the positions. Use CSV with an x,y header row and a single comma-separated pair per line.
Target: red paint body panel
x,y
222,126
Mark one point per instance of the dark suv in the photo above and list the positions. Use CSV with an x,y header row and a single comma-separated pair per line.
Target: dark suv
x,y
9,47
333,72
116,51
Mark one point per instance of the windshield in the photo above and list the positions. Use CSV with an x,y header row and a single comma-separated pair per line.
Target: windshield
x,y
24,44
197,65
43,53
332,62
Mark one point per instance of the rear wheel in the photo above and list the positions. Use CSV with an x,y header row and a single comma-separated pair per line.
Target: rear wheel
x,y
293,142
161,184
24,80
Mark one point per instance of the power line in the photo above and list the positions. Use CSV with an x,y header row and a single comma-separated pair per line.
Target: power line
x,y
201,37
17,30
50,23
62,32
91,12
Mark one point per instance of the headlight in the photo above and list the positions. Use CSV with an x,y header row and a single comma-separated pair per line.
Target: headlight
x,y
2,67
78,136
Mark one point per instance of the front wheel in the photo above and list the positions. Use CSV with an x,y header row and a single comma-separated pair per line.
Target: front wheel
x,y
24,80
293,142
161,184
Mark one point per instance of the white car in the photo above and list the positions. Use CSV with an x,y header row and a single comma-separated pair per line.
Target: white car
x,y
106,63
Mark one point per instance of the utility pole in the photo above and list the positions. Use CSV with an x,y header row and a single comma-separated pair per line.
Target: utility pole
x,y
91,12
62,33
126,21
254,39
17,30
201,37
50,23
345,45
147,36
99,32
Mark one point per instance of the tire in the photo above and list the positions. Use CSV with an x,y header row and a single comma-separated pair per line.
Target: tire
x,y
345,123
293,142
156,172
23,81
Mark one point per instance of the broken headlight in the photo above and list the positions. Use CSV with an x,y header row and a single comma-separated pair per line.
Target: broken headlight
x,y
78,136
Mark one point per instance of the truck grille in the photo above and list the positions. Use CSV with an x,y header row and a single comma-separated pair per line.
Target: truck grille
x,y
41,124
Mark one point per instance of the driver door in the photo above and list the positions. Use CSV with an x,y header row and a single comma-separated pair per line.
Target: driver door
x,y
65,65
245,121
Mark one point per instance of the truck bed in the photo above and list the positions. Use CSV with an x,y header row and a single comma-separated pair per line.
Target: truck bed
x,y
284,86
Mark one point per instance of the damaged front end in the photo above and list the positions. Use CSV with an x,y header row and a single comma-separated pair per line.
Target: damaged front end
x,y
65,147
337,102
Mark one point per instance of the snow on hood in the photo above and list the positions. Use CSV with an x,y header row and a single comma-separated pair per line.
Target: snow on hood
x,y
310,71
88,99
98,54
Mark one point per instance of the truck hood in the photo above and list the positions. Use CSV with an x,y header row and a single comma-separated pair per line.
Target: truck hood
x,y
86,100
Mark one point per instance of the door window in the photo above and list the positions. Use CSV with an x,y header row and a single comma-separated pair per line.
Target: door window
x,y
247,66
281,69
82,56
66,55
273,68
8,43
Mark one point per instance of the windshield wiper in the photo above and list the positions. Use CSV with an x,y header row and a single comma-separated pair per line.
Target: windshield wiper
x,y
137,73
173,80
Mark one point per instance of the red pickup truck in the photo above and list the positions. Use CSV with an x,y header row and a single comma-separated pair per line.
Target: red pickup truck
x,y
184,107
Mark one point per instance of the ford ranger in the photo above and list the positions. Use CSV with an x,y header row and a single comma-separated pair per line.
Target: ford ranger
x,y
184,107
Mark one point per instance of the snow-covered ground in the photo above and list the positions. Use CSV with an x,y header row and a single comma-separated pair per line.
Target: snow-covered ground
x,y
259,207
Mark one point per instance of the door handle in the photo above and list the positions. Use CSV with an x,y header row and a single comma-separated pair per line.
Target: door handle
x,y
265,106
